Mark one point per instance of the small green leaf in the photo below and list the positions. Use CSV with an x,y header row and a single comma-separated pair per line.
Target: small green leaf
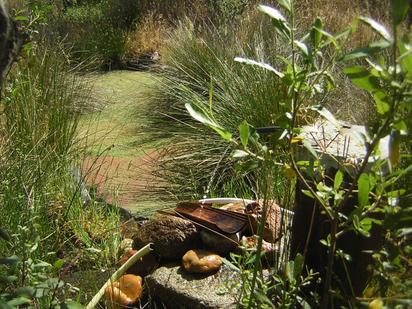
x,y
399,10
58,264
279,21
363,190
394,148
21,18
368,51
4,234
34,247
358,226
362,78
286,4
226,135
272,12
324,242
308,193
302,47
199,114
259,64
366,224
290,271
382,105
404,232
298,265
395,193
405,58
338,180
239,154
93,250
244,133
401,126
19,301
330,39
41,264
379,28
315,34
11,260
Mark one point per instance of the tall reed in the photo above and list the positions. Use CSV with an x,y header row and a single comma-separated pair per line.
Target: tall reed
x,y
41,110
201,70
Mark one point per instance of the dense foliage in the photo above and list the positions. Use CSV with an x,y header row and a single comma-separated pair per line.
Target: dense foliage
x,y
372,191
227,71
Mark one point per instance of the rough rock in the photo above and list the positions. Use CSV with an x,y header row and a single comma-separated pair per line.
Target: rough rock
x,y
219,243
201,261
172,236
176,288
273,224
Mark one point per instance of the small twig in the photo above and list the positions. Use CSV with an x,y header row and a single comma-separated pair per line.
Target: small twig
x,y
331,141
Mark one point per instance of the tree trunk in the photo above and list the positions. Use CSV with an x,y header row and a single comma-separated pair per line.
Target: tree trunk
x,y
11,41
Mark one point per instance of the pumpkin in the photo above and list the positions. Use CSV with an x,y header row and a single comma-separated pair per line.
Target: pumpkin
x,y
125,291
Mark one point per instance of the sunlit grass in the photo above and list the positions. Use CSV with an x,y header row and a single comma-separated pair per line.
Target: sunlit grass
x,y
116,126
39,151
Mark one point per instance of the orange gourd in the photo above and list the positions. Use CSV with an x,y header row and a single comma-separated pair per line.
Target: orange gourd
x,y
125,291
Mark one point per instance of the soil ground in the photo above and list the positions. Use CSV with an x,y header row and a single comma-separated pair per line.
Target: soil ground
x,y
115,162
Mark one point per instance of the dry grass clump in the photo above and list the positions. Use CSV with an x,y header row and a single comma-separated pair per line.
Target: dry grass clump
x,y
149,36
346,101
158,19
199,162
339,14
175,10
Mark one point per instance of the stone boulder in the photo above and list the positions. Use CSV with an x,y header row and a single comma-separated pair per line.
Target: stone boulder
x,y
273,224
172,236
173,287
219,243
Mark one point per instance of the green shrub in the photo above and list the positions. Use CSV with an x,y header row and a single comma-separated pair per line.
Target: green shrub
x,y
200,64
365,203
41,203
96,30
199,161
40,120
229,10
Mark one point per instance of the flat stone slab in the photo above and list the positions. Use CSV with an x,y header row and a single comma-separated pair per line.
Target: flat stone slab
x,y
340,144
176,288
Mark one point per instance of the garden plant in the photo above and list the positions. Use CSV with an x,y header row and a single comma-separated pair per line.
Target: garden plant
x,y
305,72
